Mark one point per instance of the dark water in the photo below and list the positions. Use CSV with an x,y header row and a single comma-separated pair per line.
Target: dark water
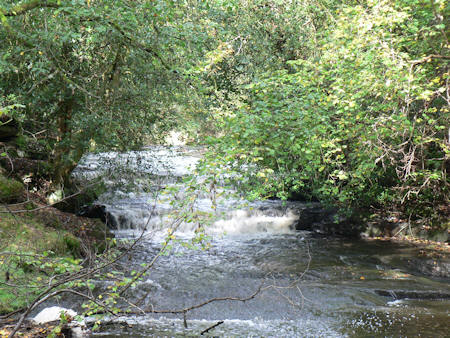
x,y
320,288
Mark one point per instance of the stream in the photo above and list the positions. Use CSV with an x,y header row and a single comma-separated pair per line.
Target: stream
x,y
313,286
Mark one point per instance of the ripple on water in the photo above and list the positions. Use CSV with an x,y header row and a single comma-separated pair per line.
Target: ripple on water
x,y
169,327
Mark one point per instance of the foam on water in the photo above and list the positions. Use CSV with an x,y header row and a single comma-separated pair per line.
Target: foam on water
x,y
271,217
164,326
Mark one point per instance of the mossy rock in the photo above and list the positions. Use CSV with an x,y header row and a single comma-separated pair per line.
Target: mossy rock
x,y
10,190
87,197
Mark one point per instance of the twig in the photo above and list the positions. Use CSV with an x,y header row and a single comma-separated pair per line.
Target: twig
x,y
428,58
211,327
212,300
52,204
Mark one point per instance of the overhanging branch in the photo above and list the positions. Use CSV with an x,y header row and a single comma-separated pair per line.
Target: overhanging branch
x,y
28,6
429,58
136,44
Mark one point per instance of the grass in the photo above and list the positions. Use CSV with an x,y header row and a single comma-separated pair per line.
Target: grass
x,y
31,252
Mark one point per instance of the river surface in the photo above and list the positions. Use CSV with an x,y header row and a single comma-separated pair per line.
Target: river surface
x,y
312,286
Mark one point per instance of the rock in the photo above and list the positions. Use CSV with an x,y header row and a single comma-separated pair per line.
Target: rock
x,y
9,128
78,203
51,314
327,222
10,190
413,294
98,211
72,329
431,267
310,217
79,332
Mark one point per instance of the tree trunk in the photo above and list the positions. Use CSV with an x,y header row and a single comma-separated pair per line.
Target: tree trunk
x,y
62,162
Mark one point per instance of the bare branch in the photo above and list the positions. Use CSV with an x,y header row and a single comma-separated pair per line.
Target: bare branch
x,y
428,58
211,327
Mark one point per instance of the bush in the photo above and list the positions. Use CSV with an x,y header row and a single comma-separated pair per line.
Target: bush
x,y
362,123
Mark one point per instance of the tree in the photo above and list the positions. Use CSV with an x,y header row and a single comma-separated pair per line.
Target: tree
x,y
92,74
359,122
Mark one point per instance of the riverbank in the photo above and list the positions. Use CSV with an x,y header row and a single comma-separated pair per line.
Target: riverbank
x,y
29,329
39,242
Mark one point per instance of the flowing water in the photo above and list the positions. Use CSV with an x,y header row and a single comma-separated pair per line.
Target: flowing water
x,y
312,286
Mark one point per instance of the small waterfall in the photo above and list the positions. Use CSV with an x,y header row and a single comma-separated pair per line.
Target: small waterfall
x,y
137,198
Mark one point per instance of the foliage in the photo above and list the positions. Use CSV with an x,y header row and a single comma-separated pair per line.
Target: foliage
x,y
93,74
360,120
31,254
346,102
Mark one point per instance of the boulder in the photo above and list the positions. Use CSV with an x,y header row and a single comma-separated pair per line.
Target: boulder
x,y
10,190
328,222
98,211
71,329
51,314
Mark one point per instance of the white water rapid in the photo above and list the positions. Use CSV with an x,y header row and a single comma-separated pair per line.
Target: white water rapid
x,y
136,200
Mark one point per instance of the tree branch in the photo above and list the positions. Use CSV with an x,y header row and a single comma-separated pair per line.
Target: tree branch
x,y
428,58
28,6
139,45
25,7
211,327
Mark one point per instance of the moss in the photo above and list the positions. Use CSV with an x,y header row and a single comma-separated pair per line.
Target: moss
x,y
73,244
22,142
38,251
10,190
9,302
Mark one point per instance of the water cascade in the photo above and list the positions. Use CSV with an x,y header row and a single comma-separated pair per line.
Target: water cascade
x,y
316,286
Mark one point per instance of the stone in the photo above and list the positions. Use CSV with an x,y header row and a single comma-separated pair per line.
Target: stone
x,y
9,128
51,314
10,190
99,211
327,222
72,329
